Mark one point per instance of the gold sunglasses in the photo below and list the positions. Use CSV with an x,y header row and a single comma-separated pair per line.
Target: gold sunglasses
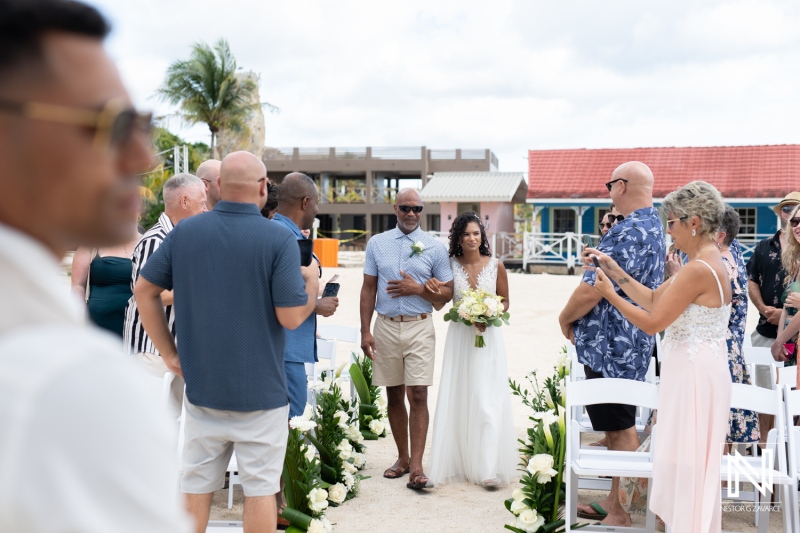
x,y
114,124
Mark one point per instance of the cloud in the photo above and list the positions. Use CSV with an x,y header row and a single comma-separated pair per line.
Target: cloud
x,y
509,76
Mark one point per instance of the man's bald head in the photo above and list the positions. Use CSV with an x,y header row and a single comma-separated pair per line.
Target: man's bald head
x,y
208,171
408,194
633,187
243,178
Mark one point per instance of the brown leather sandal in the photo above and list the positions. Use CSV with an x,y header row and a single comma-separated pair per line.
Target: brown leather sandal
x,y
419,481
395,472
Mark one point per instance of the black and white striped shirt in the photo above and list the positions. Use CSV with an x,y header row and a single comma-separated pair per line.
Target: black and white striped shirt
x,y
134,336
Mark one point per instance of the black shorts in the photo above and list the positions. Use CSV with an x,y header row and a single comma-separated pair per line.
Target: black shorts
x,y
609,416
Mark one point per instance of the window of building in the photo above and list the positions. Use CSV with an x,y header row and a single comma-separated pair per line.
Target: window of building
x,y
563,220
747,218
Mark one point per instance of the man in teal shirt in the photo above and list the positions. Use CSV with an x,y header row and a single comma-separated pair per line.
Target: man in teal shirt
x,y
297,207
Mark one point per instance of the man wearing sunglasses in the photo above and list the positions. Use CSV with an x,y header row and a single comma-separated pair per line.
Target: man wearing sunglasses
x,y
399,262
765,285
606,343
84,445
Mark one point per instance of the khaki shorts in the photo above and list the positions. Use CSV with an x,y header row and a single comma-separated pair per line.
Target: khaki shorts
x,y
405,352
258,437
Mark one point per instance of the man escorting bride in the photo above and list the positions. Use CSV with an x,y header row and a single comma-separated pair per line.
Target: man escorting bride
x,y
473,432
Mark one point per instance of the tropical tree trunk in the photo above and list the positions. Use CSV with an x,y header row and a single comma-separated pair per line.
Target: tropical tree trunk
x,y
214,154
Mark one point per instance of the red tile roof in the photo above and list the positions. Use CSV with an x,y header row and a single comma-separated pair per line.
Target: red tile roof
x,y
737,171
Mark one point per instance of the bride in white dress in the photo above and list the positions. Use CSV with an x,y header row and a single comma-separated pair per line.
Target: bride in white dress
x,y
473,432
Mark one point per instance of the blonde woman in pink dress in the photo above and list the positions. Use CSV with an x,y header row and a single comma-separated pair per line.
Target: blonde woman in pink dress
x,y
695,391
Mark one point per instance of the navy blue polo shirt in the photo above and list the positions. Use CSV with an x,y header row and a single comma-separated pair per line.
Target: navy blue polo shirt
x,y
230,268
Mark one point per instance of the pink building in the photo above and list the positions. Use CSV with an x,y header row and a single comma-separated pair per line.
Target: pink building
x,y
491,195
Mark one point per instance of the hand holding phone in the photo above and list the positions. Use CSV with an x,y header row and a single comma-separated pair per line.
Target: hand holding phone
x,y
331,290
595,261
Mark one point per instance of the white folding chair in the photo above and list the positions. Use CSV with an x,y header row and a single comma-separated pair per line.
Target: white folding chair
x,y
582,462
787,375
233,478
348,334
756,355
769,402
792,403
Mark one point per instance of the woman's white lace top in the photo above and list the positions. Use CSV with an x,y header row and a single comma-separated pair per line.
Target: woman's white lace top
x,y
700,325
487,279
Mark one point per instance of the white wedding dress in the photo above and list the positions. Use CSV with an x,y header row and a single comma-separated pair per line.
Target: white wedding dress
x,y
473,431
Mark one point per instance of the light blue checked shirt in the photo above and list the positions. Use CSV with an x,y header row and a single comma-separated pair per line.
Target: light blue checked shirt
x,y
389,253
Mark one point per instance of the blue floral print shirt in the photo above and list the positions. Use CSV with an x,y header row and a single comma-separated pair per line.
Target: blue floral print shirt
x,y
604,339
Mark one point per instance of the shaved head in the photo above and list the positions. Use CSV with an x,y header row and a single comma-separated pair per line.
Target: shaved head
x,y
408,194
208,171
296,186
243,178
633,188
407,198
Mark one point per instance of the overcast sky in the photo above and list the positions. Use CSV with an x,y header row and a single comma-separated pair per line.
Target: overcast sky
x,y
510,76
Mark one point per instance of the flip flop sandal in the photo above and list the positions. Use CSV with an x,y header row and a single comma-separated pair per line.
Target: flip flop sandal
x,y
416,484
398,472
599,512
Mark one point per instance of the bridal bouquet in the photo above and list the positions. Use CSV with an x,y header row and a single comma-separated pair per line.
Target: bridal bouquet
x,y
479,307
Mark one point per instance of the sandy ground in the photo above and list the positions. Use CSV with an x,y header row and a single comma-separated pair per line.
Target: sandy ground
x,y
533,341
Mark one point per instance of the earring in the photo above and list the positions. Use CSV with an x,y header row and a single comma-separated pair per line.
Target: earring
x,y
694,233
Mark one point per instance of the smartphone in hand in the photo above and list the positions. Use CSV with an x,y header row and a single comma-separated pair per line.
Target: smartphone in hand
x,y
331,290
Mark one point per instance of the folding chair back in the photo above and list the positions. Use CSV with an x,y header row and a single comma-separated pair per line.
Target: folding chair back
x,y
793,436
787,375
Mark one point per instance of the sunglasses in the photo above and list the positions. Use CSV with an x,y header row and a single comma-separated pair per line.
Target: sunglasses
x,y
794,221
113,125
612,182
788,209
607,225
406,208
670,222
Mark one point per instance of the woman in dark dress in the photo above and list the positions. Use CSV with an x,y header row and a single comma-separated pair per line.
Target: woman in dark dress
x,y
102,277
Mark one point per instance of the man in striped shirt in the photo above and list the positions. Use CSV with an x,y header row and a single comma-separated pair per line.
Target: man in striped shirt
x,y
184,196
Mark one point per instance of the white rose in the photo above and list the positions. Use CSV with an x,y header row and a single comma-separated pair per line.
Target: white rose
x,y
517,507
529,520
316,526
541,466
298,422
419,246
463,312
349,467
377,427
359,460
345,449
323,386
318,500
341,418
518,495
337,493
353,434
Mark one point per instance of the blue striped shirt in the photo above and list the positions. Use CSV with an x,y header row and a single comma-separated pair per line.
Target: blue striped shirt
x,y
390,252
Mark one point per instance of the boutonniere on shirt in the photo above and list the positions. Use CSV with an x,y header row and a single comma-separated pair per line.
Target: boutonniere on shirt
x,y
417,248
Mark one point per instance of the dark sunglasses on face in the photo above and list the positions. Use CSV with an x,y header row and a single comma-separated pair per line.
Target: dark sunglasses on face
x,y
406,208
607,225
612,182
113,125
794,221
618,218
788,209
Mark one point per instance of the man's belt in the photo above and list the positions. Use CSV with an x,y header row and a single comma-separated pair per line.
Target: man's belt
x,y
403,318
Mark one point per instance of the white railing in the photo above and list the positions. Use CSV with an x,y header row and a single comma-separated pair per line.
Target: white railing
x,y
749,243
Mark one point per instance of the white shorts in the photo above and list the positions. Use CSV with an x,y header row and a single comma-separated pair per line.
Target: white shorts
x,y
258,437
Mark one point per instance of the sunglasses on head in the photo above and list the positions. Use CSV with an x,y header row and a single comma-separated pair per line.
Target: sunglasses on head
x,y
113,125
406,208
794,221
788,209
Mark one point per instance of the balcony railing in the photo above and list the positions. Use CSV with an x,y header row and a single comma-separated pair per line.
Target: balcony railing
x,y
349,194
383,153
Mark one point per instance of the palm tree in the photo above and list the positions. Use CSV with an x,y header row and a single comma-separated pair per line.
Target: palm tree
x,y
208,91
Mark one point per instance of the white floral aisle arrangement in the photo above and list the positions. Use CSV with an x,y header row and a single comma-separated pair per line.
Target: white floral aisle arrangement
x,y
479,307
305,492
538,504
373,419
341,458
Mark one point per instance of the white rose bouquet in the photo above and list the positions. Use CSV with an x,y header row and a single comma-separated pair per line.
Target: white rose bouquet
x,y
479,307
